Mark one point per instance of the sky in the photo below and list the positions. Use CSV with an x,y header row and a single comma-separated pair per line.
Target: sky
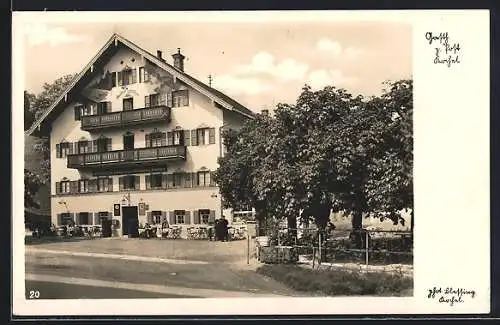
x,y
258,64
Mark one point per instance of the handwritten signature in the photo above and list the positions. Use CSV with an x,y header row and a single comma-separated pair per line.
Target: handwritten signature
x,y
450,295
446,52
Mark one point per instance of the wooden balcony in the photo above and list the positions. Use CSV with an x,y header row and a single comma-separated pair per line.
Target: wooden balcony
x,y
118,119
144,157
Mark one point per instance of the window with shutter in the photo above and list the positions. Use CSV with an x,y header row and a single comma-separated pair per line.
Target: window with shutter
x,y
211,136
133,78
180,98
194,138
164,217
120,78
186,138
78,113
156,217
204,216
170,138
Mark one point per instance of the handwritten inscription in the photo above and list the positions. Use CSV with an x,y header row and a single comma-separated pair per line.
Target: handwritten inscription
x,y
446,52
450,295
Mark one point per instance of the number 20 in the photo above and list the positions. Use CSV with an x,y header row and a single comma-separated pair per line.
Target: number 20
x,y
34,294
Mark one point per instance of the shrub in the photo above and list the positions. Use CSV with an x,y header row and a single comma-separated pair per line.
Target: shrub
x,y
337,282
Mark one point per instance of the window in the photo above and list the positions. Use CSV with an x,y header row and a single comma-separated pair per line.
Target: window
x,y
127,77
103,215
143,75
128,104
129,182
156,180
156,139
152,100
204,216
83,218
178,137
63,149
201,134
180,98
203,178
180,216
64,187
78,112
88,109
178,179
66,219
83,186
83,147
103,108
156,216
103,184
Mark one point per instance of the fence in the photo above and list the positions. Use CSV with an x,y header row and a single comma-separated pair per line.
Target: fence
x,y
366,246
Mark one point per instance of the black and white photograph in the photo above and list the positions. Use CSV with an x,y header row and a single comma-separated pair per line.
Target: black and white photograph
x,y
186,159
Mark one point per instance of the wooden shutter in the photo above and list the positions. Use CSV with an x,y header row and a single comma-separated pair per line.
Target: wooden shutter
x,y
137,183
212,180
110,184
164,180
149,217
73,187
164,216
147,101
58,150
94,146
70,147
187,217
113,79
196,217
109,147
170,180
169,99
162,99
194,178
108,107
170,138
171,216
58,187
78,113
188,181
211,217
148,140
194,138
185,98
92,185
120,78
59,219
96,218
120,181
211,136
148,182
187,138
134,76
163,139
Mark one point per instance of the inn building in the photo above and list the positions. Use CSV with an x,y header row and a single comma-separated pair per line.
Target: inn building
x,y
136,139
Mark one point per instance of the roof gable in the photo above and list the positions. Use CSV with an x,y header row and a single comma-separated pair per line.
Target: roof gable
x,y
107,51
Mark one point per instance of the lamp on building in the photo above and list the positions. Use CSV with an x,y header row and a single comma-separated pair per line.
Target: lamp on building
x,y
213,195
62,202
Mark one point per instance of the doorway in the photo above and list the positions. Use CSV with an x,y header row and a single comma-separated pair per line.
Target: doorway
x,y
130,221
128,142
106,227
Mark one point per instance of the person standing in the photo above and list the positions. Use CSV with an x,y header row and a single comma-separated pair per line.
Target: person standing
x,y
224,230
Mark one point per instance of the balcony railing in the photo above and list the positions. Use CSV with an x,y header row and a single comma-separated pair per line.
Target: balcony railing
x,y
135,116
143,156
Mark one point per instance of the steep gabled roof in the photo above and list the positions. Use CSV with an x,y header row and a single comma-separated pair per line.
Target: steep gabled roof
x,y
107,50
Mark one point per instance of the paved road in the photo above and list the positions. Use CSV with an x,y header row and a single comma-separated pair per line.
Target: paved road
x,y
54,290
125,274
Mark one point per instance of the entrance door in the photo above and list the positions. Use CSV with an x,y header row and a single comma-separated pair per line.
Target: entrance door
x,y
130,221
106,227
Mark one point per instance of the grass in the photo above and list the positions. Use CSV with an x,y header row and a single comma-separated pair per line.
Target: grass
x,y
338,282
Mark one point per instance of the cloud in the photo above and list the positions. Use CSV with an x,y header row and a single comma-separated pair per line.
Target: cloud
x,y
329,45
264,63
39,33
318,79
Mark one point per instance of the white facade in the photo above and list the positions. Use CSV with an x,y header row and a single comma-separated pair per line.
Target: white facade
x,y
200,113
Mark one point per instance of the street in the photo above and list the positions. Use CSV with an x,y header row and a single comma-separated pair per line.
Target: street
x,y
132,268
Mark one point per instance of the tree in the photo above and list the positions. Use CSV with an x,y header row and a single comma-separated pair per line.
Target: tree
x,y
32,184
34,107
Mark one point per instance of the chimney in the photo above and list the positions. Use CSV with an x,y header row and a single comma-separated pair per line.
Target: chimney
x,y
265,112
158,54
178,60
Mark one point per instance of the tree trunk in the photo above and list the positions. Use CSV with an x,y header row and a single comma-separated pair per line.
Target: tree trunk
x,y
292,226
411,221
357,226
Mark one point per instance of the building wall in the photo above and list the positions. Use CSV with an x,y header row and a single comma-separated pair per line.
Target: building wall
x,y
200,113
